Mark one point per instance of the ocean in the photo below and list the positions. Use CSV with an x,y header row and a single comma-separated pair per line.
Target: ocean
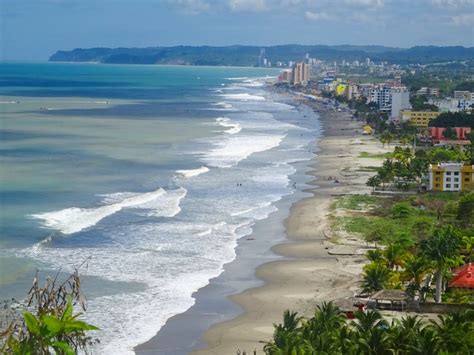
x,y
146,175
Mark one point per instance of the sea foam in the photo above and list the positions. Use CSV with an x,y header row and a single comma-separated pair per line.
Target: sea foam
x,y
243,97
226,122
192,172
74,219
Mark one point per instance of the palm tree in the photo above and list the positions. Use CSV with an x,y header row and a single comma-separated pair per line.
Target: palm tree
x,y
443,250
394,254
371,333
321,330
373,182
404,333
375,277
455,331
375,255
286,338
427,343
365,321
414,271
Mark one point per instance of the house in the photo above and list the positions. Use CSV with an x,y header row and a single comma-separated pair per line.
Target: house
x,y
451,177
463,277
437,133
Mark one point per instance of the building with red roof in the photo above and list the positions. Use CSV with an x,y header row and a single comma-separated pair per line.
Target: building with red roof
x,y
463,277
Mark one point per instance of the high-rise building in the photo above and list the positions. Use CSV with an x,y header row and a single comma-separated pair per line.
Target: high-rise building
x,y
262,60
382,96
400,101
300,74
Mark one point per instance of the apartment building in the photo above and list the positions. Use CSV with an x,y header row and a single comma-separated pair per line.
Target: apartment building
x,y
451,177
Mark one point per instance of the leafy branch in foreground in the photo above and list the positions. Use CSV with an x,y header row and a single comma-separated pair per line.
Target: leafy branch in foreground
x,y
49,323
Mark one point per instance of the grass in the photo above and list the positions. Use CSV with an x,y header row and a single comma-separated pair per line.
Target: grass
x,y
375,156
371,216
369,169
357,202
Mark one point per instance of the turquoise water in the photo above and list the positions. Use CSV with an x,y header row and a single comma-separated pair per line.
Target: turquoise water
x,y
152,172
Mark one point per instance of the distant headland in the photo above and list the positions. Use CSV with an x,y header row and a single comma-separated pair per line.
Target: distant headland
x,y
238,55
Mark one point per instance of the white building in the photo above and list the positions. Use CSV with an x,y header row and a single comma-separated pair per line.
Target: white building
x,y
382,96
400,101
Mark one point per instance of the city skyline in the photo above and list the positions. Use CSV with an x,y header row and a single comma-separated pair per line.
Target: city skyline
x,y
34,30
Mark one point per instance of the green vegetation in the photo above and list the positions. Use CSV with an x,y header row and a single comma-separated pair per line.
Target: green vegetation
x,y
357,202
418,103
453,119
48,322
328,332
423,234
375,156
465,86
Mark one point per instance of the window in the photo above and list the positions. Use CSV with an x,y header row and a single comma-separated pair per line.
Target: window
x,y
466,179
456,179
448,173
437,179
438,173
456,173
448,186
456,186
448,179
437,185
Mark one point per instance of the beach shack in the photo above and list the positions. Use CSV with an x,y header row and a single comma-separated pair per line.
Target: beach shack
x,y
394,300
463,277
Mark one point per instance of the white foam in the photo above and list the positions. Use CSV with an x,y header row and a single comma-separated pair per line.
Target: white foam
x,y
238,78
234,148
243,97
192,172
74,219
226,122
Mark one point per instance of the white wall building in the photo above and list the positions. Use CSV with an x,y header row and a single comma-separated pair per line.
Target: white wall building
x,y
382,96
400,101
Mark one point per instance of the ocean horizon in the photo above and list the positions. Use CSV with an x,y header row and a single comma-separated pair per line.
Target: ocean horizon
x,y
147,174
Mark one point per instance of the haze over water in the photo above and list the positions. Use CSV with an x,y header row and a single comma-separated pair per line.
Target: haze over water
x,y
138,168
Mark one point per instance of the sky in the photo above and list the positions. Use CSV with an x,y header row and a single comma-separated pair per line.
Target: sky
x,y
32,30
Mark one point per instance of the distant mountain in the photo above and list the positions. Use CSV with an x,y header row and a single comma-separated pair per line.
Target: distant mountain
x,y
248,55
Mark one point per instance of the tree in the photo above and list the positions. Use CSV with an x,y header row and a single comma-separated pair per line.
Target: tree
x,y
374,181
449,133
465,210
394,254
386,137
443,249
375,277
414,271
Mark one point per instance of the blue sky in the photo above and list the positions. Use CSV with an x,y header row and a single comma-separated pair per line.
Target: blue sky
x,y
35,29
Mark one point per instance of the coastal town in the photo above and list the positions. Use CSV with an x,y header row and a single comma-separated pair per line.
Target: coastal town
x,y
407,241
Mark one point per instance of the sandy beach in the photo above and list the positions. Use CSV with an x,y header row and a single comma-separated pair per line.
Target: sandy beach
x,y
317,266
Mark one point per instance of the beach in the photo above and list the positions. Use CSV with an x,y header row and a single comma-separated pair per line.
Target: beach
x,y
316,267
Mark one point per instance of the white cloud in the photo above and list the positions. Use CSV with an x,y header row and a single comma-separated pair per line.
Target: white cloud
x,y
368,3
248,5
453,3
317,16
463,20
192,6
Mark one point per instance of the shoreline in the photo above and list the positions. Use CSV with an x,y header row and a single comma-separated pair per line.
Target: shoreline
x,y
314,268
183,332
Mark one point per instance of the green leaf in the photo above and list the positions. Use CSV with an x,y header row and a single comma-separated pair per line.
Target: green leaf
x,y
79,326
32,323
53,324
68,311
62,345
